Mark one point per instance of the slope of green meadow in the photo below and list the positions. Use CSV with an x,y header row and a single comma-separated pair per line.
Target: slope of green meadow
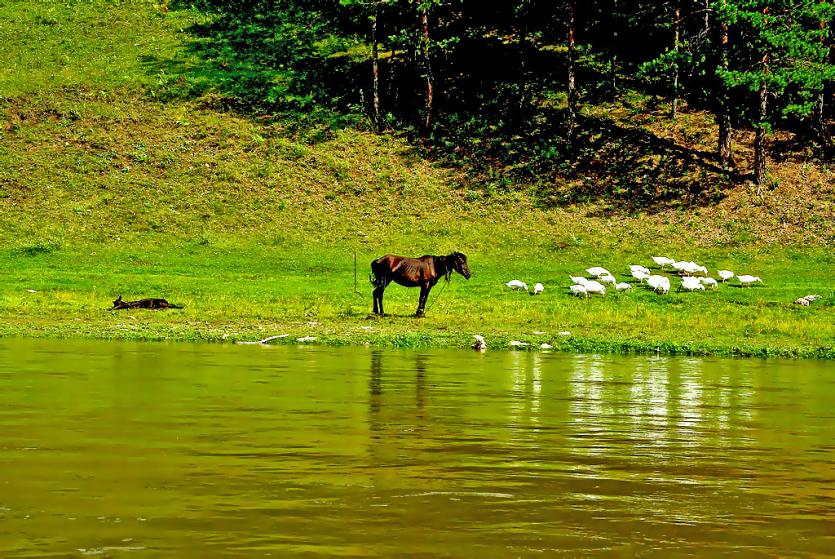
x,y
109,186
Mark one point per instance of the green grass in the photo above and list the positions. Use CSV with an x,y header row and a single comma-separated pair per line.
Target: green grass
x,y
102,46
252,292
252,224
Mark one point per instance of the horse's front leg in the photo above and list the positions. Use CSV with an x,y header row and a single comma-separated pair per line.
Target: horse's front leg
x,y
424,294
378,300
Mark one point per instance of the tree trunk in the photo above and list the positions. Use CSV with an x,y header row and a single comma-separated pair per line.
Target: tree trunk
x,y
819,115
707,18
724,109
613,68
676,37
572,90
427,69
759,139
820,123
523,57
375,69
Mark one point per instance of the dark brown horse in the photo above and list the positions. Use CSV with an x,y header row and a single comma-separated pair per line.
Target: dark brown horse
x,y
156,304
423,272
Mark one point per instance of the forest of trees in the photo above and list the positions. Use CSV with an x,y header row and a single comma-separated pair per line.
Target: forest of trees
x,y
447,68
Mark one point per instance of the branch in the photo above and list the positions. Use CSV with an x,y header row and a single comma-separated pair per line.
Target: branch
x,y
265,340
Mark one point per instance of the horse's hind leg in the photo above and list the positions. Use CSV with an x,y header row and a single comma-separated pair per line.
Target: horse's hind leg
x,y
378,299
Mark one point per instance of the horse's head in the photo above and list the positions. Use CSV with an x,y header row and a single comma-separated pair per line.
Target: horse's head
x,y
459,263
118,301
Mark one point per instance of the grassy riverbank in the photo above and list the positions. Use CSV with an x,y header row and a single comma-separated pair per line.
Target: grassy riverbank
x,y
252,223
248,293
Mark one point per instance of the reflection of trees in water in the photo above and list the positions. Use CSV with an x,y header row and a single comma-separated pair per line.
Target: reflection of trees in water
x,y
686,399
585,382
526,375
652,402
713,395
660,400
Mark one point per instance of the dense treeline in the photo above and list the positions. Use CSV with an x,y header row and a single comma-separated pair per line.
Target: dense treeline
x,y
449,68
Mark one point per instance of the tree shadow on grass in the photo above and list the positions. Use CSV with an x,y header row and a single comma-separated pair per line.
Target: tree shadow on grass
x,y
626,168
254,71
620,168
635,169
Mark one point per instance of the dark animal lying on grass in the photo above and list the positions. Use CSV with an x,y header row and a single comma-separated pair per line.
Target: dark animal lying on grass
x,y
423,272
156,304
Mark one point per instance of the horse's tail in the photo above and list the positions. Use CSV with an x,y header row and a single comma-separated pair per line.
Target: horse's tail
x,y
375,280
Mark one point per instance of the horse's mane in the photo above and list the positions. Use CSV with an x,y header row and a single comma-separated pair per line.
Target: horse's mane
x,y
449,260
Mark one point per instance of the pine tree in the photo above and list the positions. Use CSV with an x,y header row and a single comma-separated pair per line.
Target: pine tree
x,y
779,53
371,10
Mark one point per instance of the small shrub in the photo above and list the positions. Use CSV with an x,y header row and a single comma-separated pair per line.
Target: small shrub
x,y
36,248
472,195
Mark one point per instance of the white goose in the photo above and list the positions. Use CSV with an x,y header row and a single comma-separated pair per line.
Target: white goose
x,y
517,284
691,284
748,280
640,275
681,266
659,284
595,287
725,275
597,271
607,278
709,282
538,289
662,261
578,290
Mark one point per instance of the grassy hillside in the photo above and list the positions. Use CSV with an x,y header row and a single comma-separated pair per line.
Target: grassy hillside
x,y
252,223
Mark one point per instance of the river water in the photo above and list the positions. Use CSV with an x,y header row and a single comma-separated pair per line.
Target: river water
x,y
199,451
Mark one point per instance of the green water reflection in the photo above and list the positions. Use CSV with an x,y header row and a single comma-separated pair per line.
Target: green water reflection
x,y
154,450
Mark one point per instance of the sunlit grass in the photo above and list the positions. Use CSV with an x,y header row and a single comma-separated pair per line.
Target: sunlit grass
x,y
47,45
254,226
248,293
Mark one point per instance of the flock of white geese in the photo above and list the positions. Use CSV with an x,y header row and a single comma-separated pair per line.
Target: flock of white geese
x,y
693,276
